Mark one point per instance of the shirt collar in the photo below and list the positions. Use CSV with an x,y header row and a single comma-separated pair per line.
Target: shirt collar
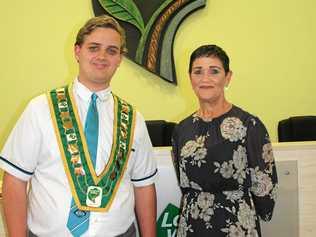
x,y
85,94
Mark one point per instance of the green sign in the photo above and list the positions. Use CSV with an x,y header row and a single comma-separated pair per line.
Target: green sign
x,y
168,222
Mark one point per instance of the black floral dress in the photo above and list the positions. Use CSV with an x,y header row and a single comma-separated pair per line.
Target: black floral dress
x,y
227,175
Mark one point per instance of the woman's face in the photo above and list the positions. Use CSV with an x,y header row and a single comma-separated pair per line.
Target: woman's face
x,y
208,78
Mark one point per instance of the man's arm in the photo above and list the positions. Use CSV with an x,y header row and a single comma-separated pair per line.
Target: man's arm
x,y
14,205
146,209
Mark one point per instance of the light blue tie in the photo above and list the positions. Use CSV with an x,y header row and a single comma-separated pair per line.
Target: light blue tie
x,y
78,221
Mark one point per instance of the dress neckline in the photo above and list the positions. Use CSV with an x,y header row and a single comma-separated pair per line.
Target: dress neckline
x,y
196,116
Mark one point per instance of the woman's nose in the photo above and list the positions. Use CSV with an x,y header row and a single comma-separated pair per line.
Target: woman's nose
x,y
206,76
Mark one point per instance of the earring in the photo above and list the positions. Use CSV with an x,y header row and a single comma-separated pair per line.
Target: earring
x,y
226,87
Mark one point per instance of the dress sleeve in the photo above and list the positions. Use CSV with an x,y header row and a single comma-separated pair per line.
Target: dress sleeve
x,y
174,151
262,169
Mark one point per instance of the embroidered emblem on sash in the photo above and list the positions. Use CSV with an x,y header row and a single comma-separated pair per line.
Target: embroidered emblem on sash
x,y
91,192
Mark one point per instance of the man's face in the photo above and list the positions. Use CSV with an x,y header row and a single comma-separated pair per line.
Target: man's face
x,y
99,56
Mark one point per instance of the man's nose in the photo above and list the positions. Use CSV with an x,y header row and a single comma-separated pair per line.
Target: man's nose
x,y
102,54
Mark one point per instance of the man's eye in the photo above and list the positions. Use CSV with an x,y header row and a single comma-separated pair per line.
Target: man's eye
x,y
93,48
112,51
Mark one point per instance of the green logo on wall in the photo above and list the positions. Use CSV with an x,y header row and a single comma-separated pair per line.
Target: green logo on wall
x,y
168,222
150,26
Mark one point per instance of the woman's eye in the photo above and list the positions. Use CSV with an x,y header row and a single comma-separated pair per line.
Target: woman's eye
x,y
214,71
197,72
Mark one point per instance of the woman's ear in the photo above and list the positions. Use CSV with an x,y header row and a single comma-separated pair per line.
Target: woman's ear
x,y
228,78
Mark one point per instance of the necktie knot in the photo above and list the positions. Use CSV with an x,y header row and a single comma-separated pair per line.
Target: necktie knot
x,y
94,97
93,101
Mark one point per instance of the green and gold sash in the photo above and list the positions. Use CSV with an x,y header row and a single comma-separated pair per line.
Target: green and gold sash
x,y
91,192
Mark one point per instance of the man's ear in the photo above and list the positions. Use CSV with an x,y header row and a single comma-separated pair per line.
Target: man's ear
x,y
121,59
77,49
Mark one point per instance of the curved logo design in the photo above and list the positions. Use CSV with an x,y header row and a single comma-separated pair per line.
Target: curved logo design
x,y
150,27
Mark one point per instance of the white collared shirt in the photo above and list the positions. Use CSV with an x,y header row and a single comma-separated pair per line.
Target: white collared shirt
x,y
31,154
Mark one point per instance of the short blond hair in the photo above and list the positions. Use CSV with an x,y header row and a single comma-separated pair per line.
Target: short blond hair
x,y
103,21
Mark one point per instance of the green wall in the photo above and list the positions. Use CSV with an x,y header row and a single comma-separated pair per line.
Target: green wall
x,y
271,44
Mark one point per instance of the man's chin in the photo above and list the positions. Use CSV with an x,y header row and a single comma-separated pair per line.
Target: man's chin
x,y
100,80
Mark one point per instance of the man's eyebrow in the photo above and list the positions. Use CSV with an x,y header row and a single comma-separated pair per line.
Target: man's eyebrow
x,y
99,44
113,46
93,43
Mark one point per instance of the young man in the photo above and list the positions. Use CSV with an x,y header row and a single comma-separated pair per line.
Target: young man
x,y
79,159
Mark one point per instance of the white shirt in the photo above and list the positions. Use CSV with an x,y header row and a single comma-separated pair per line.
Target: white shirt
x,y
31,154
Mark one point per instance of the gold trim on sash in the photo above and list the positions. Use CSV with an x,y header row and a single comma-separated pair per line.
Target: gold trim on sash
x,y
117,162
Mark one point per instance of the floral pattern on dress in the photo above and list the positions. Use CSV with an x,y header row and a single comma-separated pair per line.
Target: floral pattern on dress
x,y
235,231
227,175
261,182
234,196
189,148
233,129
274,192
202,209
235,168
246,224
267,156
196,149
184,181
195,186
195,117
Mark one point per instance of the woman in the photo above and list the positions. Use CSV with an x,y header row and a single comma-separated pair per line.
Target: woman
x,y
223,158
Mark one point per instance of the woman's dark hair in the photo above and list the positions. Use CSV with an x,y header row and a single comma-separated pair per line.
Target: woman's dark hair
x,y
210,50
